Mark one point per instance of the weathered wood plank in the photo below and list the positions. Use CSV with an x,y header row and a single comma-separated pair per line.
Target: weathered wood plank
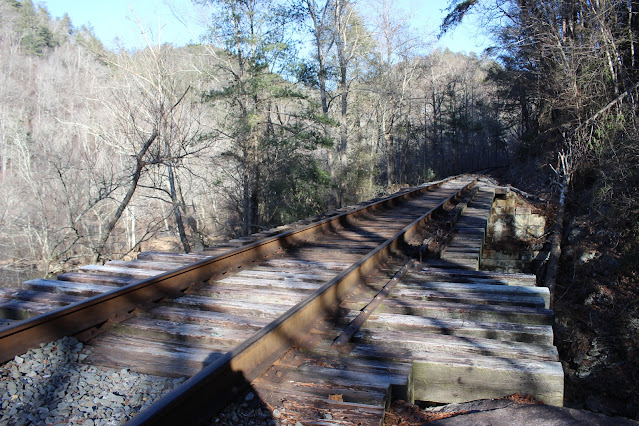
x,y
302,265
504,331
459,255
87,278
497,313
122,271
462,346
218,319
470,249
54,300
449,380
279,274
304,406
265,310
354,250
412,289
148,264
320,255
309,392
176,257
454,296
255,295
472,265
505,278
21,309
163,358
213,337
67,287
289,284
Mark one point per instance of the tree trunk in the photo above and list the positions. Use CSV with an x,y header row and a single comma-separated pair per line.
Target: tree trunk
x,y
390,158
177,210
343,82
555,250
139,166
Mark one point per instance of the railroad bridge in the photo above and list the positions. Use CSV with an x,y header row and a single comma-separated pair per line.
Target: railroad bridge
x,y
327,320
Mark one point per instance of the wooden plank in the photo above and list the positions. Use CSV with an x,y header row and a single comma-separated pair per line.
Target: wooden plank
x,y
289,284
456,296
122,271
474,250
21,309
488,313
309,392
333,250
210,336
301,264
354,234
303,406
219,319
473,276
67,287
319,255
504,331
54,300
448,380
335,378
264,310
178,257
412,288
256,295
462,346
87,278
460,255
279,274
148,264
454,264
162,358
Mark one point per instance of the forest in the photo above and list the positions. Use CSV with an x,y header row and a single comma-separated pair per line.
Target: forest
x,y
288,108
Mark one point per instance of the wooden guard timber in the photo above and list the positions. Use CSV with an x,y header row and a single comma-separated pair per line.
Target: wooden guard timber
x,y
323,320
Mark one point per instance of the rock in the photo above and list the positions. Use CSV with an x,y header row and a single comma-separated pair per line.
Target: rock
x,y
507,412
57,390
594,403
587,256
12,388
115,398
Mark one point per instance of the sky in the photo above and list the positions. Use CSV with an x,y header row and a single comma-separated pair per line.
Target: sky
x,y
117,19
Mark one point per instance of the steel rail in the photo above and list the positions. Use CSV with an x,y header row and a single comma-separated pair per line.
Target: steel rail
x,y
86,315
197,399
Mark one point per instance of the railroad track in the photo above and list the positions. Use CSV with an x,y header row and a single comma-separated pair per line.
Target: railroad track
x,y
303,317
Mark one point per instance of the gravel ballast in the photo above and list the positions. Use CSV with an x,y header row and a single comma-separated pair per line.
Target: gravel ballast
x,y
49,385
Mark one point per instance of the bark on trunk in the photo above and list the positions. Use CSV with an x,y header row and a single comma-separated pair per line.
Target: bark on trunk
x,y
139,166
555,250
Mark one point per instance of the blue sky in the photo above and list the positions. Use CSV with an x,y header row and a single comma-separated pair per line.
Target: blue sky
x,y
115,18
